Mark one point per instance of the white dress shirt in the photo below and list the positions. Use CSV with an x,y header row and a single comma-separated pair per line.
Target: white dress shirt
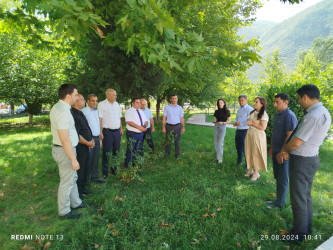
x,y
110,113
131,115
93,120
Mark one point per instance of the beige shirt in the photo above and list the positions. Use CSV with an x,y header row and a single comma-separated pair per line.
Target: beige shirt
x,y
110,113
61,118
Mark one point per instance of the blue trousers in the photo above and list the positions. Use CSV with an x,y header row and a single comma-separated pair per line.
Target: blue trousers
x,y
111,142
240,144
149,138
134,147
94,160
301,171
281,175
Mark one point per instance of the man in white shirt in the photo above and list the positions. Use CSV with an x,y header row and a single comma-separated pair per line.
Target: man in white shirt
x,y
91,114
110,129
136,124
151,126
65,140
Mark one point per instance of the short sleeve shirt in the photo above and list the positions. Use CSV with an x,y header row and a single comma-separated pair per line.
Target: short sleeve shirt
x,y
131,115
221,115
61,118
173,114
110,113
149,115
284,122
312,130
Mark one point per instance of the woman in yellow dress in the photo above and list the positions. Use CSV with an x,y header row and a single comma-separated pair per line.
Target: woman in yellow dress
x,y
255,140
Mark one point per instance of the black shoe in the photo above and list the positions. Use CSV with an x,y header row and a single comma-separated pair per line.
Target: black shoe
x,y
98,181
70,215
82,205
105,177
273,206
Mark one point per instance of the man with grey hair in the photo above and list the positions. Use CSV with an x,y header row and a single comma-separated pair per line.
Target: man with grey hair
x,y
240,122
150,128
111,129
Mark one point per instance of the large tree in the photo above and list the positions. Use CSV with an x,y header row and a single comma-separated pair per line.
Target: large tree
x,y
29,75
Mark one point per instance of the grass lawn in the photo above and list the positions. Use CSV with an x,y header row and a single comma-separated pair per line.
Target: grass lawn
x,y
190,203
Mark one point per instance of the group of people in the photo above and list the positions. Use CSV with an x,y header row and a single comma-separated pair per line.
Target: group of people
x,y
294,148
78,132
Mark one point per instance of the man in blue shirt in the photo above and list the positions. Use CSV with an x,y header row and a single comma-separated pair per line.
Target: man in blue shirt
x,y
150,128
304,160
285,122
241,118
173,117
91,114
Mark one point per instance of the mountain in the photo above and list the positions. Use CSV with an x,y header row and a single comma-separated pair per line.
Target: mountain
x,y
292,35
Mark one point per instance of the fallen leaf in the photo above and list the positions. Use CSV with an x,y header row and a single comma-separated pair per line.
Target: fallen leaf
x,y
117,198
2,195
219,209
283,232
257,204
272,194
266,233
239,245
115,232
43,218
96,246
110,224
36,192
34,185
5,219
213,214
26,247
181,189
165,224
47,244
205,215
184,182
216,185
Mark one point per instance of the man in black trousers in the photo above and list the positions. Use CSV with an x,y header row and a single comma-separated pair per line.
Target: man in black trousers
x,y
85,143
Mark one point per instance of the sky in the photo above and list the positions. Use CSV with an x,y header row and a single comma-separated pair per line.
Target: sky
x,y
277,11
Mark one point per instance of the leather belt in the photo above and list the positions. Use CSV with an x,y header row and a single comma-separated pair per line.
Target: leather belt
x,y
172,124
113,130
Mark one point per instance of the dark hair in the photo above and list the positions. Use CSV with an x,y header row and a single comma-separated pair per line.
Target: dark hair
x,y
224,109
173,95
242,96
282,96
66,89
263,108
310,90
135,98
91,95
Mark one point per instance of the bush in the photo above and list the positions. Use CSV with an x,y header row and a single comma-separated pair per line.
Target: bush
x,y
269,92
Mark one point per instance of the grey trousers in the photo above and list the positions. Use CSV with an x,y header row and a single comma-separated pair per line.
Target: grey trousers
x,y
175,129
68,195
219,134
301,172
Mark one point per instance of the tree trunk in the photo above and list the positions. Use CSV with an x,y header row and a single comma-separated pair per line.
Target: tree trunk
x,y
158,106
31,116
12,108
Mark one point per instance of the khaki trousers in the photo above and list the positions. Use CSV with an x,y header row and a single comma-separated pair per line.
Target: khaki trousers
x,y
68,195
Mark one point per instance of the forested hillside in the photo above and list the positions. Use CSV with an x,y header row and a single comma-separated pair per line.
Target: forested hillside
x,y
292,35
